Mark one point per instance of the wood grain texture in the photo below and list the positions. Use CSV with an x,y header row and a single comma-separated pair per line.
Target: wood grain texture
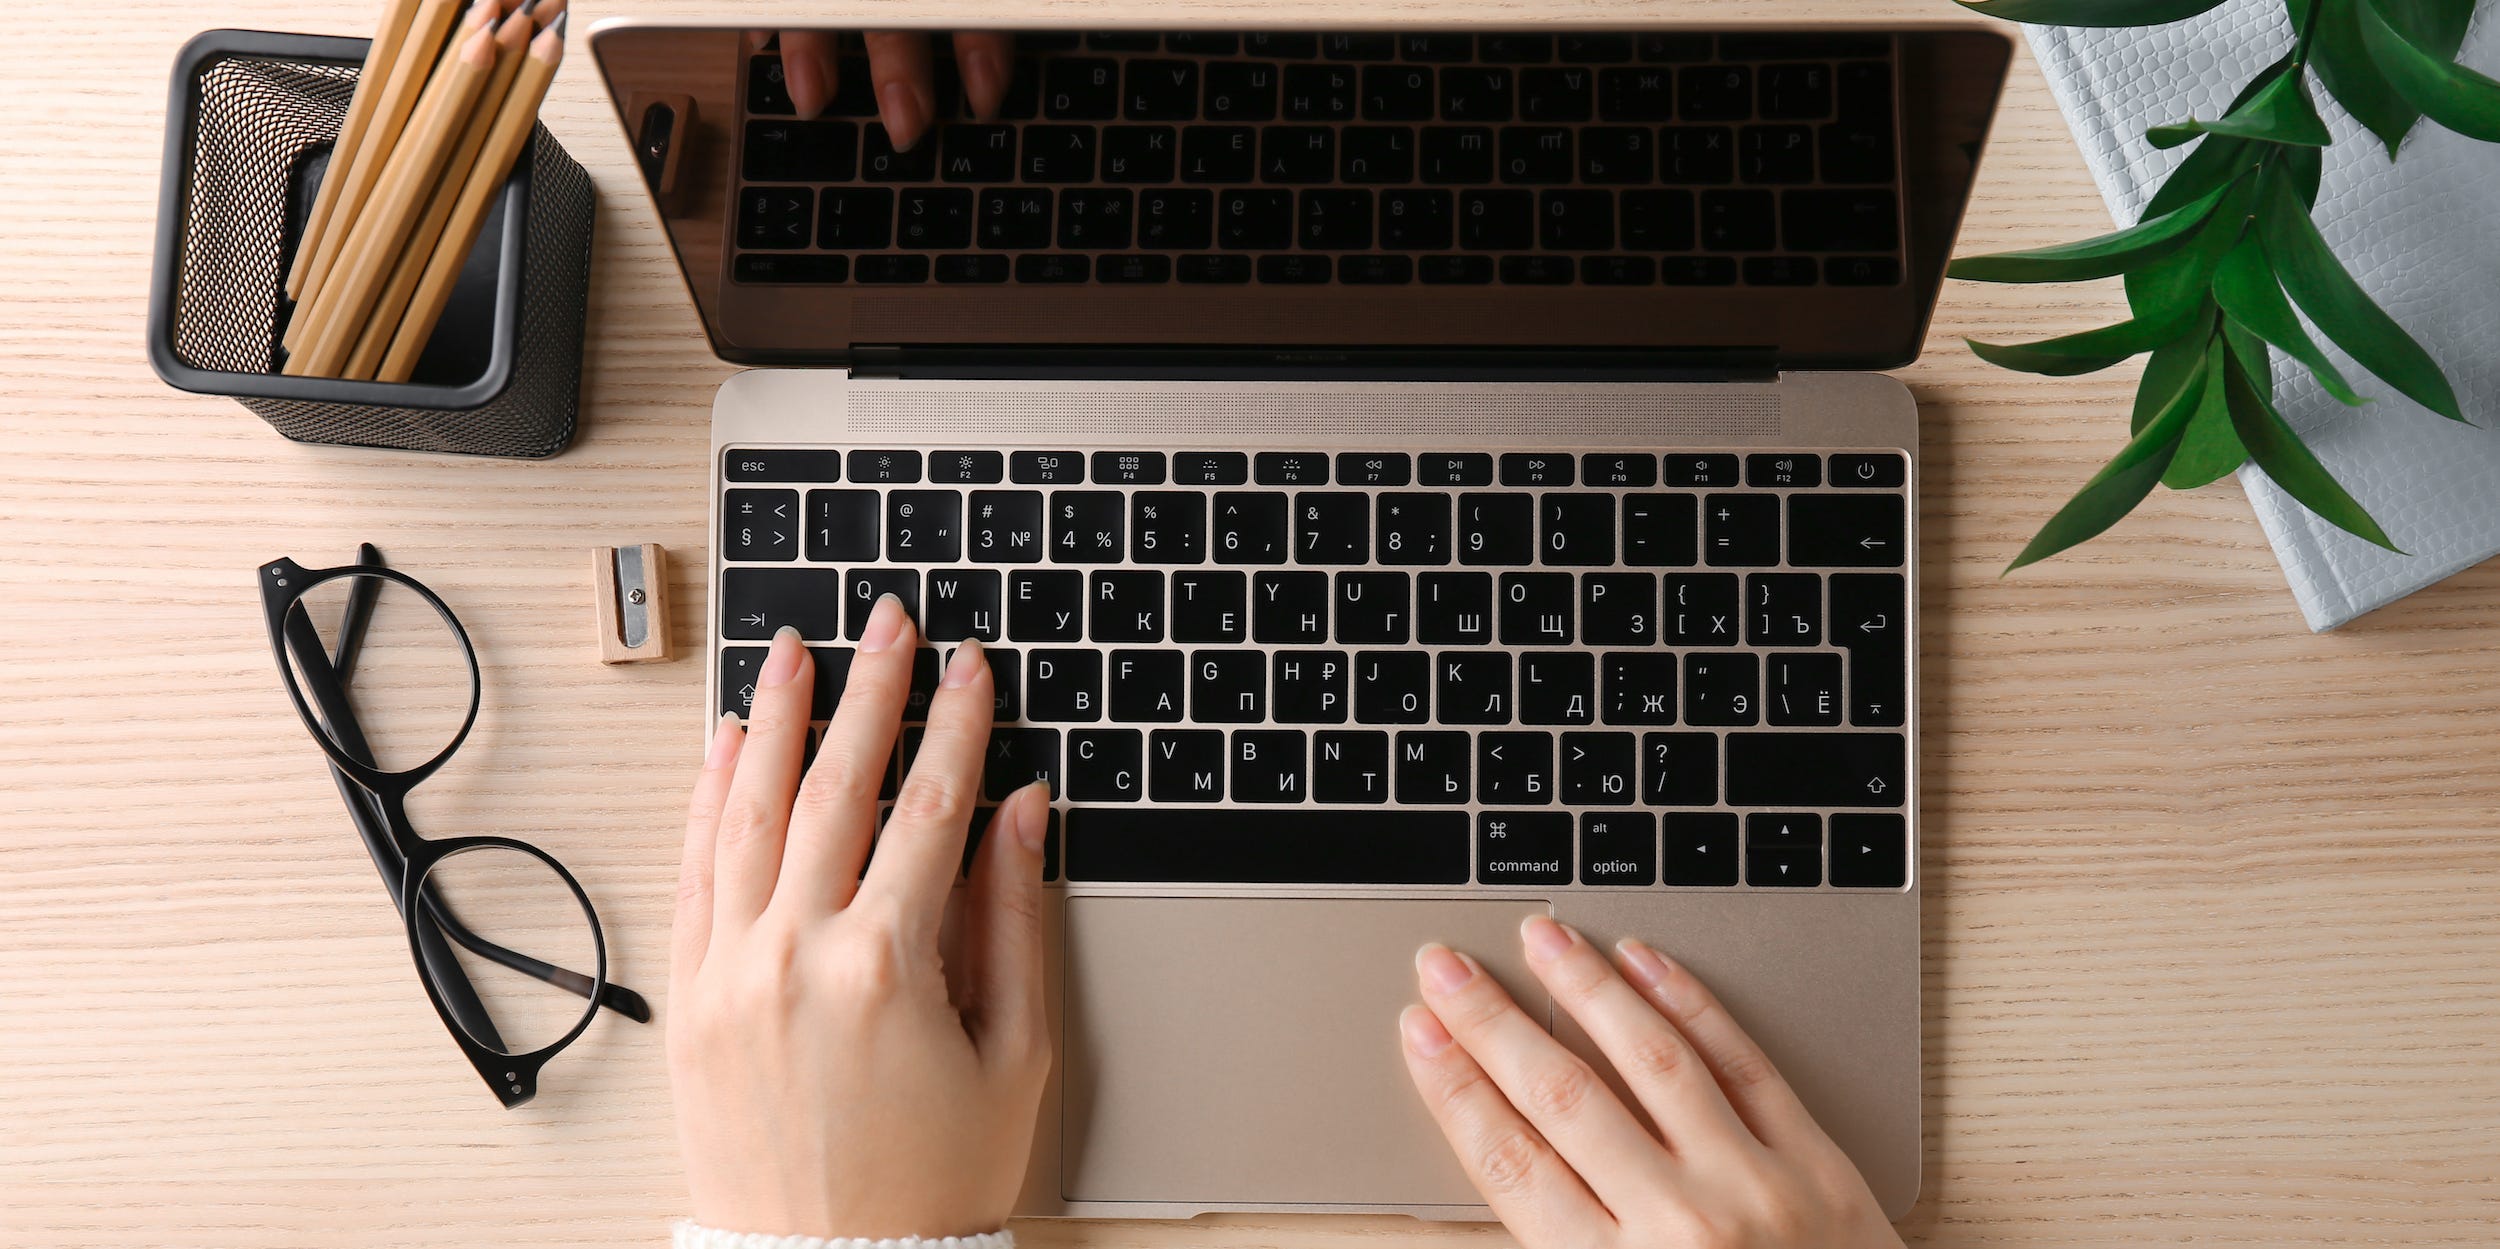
x,y
2214,932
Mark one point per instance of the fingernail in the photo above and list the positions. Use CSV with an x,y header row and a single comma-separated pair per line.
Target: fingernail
x,y
1645,965
1546,940
808,95
885,624
784,662
899,105
1441,969
724,739
1423,1031
984,82
967,662
1033,816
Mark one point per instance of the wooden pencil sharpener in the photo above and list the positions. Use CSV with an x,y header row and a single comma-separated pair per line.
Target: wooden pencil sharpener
x,y
632,596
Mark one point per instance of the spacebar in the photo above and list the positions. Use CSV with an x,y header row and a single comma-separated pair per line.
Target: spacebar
x,y
1299,847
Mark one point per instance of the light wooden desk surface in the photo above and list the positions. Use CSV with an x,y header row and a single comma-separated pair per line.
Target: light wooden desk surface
x,y
2213,905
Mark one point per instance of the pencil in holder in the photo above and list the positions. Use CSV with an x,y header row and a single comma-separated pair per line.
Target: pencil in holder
x,y
248,133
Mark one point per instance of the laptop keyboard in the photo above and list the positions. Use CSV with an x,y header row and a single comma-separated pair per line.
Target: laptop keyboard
x,y
1500,668
1366,159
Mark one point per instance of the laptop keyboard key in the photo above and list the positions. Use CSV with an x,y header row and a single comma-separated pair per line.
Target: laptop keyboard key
x,y
1618,848
1310,687
1845,530
1578,529
1185,765
1080,88
1697,848
1869,852
1783,609
1472,687
1867,617
1741,529
1228,687
862,587
1267,765
1046,606
1557,687
1017,758
1005,525
1805,690
924,527
963,603
1350,767
1289,607
1640,688
1371,608
1320,847
1063,685
1126,606
1599,769
1815,769
1515,769
757,602
1146,686
1536,608
1722,689
1210,607
1496,529
1086,526
1392,687
1524,848
1680,770
1106,765
1431,768
1331,528
1454,609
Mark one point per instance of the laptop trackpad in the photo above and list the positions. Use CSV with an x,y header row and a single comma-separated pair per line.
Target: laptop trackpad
x,y
1245,1050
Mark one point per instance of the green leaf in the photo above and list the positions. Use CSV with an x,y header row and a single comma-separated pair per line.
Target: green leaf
x,y
2087,352
2209,448
2119,486
2252,353
2091,12
2347,71
2109,254
2250,294
2288,461
2172,365
2214,163
2446,92
2280,112
2176,286
2337,305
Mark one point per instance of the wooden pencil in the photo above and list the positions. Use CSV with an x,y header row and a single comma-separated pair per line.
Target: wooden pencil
x,y
505,141
411,70
346,298
512,41
371,81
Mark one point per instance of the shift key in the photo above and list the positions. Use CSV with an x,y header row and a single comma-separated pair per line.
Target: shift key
x,y
1816,769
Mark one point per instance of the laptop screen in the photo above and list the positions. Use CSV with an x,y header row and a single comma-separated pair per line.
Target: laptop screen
x,y
1660,200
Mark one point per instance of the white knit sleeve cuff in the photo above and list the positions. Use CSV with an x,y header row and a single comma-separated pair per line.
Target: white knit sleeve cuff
x,y
692,1235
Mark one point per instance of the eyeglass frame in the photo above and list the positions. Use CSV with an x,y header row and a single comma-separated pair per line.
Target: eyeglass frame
x,y
512,1077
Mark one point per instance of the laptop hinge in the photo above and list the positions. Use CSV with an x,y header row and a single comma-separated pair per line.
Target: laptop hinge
x,y
1308,364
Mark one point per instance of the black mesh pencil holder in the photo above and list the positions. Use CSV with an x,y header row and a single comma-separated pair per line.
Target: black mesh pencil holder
x,y
247,134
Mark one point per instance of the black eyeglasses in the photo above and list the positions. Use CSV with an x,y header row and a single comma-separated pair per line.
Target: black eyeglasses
x,y
420,693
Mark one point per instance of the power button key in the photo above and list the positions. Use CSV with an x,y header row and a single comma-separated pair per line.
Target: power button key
x,y
1867,471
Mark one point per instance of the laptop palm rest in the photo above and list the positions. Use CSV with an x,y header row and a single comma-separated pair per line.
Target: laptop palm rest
x,y
1245,1050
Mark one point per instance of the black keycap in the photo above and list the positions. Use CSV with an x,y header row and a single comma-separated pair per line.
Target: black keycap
x,y
1046,606
1251,528
1431,767
885,467
1350,767
1576,529
1133,269
1497,528
1290,468
801,151
1397,93
1616,155
1618,609
1162,90
1640,689
1858,146
1868,618
1252,847
1219,154
747,465
1845,531
1796,92
1715,93
897,270
1374,468
1466,468
1210,607
1106,765
1701,470
1086,527
879,162
1006,526
933,217
1815,769
1557,687
1080,88
1724,689
1063,685
1348,46
1454,608
1331,528
841,526
1336,220
1202,43
760,524
1298,154
978,153
1046,468
1737,221
1804,691
1058,154
966,467
1457,154
1254,220
1523,848
1657,221
924,526
862,587
1536,608
1392,687
1878,470
1289,607
1414,527
1599,769
1697,271
855,219
767,90
1560,94
1241,91
1680,770
1228,687
1210,468
1785,609
1139,153
1698,848
1300,270
1618,848
1415,220
1537,270
1126,606
1279,44
1869,852
1017,758
1607,469
1775,154
1780,271
1128,468
1321,92
775,216
1376,154
1636,94
1515,769
963,603
1432,49
1496,220
1472,687
1185,765
1575,220
1014,217
1023,101
1697,155
1164,527
1536,154
1743,529
1783,470
1310,687
1618,270
1516,49
1839,221
1701,609
916,698
1006,682
1371,608
1585,47
757,602
1783,851
1171,218
1268,765
1147,686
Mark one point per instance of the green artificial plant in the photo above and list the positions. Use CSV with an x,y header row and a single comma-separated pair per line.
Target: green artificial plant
x,y
2226,249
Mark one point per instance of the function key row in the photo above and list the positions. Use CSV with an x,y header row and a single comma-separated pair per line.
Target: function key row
x,y
1768,470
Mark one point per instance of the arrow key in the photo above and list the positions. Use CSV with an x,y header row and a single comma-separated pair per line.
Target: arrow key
x,y
1869,852
1699,849
1783,867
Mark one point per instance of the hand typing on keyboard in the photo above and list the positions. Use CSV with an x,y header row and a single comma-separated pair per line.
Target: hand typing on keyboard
x,y
1734,1161
902,74
857,1055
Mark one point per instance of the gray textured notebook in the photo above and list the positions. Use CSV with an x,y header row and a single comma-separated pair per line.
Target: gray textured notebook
x,y
2423,237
